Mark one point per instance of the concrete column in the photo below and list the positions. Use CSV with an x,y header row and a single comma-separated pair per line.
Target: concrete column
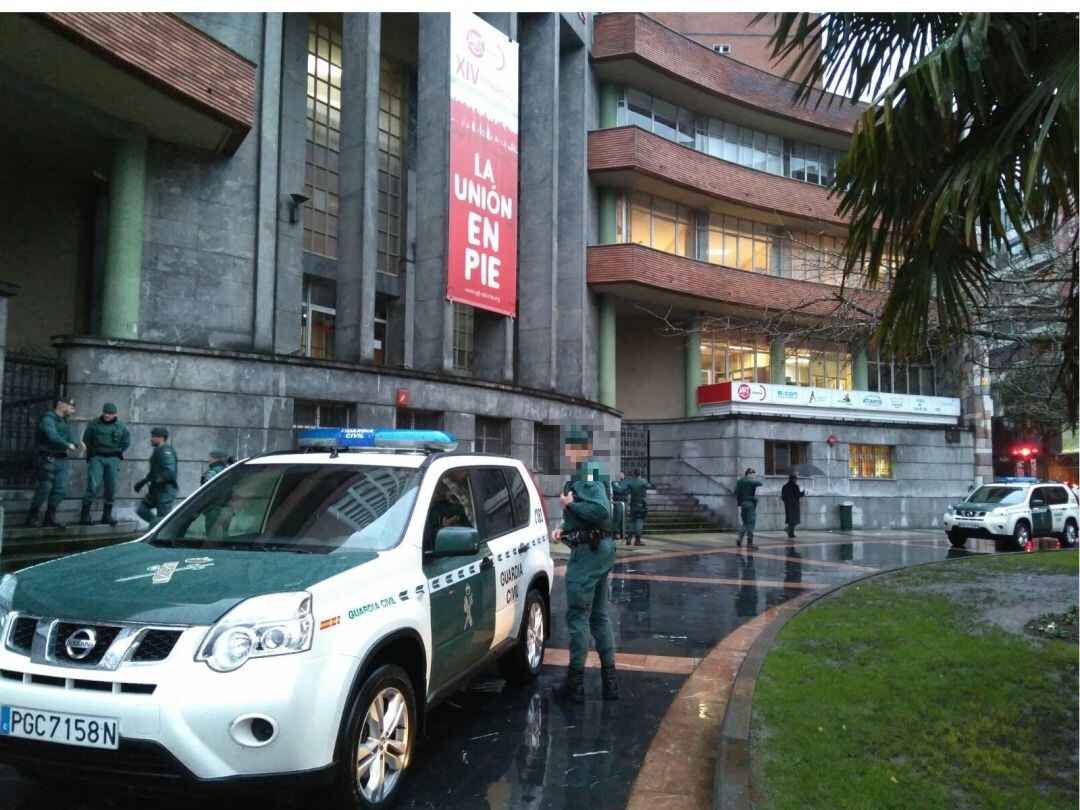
x,y
266,230
693,365
607,351
433,329
609,213
609,106
777,356
289,272
539,195
359,179
123,258
860,369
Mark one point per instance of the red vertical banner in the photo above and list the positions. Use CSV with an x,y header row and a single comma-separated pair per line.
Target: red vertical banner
x,y
482,243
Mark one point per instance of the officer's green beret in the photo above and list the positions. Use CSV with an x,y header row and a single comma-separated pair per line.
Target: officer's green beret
x,y
161,432
576,434
108,407
218,454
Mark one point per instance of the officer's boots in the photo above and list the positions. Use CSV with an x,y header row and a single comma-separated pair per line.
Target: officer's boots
x,y
574,686
637,540
610,682
51,521
107,515
33,521
84,516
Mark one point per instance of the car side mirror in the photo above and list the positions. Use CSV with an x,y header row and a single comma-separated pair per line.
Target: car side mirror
x,y
452,541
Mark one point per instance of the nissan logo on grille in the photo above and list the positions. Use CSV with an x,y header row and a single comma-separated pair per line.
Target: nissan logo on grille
x,y
81,643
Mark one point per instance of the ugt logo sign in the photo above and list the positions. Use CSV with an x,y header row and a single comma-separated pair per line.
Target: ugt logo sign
x,y
744,391
475,43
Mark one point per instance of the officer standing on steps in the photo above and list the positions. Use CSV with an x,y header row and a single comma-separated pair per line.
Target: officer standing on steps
x,y
620,497
52,443
746,496
106,439
162,479
586,531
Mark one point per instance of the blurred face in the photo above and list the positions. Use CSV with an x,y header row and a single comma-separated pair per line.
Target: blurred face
x,y
65,409
108,417
157,441
577,453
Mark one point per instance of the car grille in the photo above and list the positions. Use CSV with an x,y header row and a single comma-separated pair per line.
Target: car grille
x,y
22,634
156,645
970,513
106,634
132,760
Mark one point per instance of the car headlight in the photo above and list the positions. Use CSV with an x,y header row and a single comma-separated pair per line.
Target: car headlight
x,y
7,594
273,624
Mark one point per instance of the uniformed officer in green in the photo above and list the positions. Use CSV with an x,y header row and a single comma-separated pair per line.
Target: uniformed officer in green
x,y
620,498
162,479
637,487
746,496
106,438
219,460
53,441
586,530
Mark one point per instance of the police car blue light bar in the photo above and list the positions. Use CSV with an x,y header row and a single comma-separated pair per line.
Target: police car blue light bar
x,y
376,438
1016,479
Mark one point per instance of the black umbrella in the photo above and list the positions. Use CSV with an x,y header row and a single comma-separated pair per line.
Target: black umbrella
x,y
806,470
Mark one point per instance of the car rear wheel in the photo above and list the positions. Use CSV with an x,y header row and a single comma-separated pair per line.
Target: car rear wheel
x,y
522,663
1068,537
379,740
1022,536
957,538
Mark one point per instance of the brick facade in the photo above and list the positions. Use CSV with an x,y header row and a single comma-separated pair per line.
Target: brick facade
x,y
714,283
637,37
164,51
633,149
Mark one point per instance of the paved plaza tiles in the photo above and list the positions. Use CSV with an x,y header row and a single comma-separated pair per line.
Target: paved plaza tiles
x,y
685,611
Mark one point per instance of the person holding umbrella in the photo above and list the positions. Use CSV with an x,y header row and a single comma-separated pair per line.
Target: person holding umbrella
x,y
791,494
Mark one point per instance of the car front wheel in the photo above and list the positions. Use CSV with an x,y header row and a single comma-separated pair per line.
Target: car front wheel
x,y
379,740
522,663
957,538
1022,536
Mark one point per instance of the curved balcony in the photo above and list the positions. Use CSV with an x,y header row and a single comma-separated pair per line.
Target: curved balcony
x,y
641,273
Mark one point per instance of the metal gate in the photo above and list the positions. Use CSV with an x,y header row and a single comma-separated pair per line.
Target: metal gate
x,y
30,384
635,449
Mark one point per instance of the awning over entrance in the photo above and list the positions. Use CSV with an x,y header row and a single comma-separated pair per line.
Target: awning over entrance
x,y
151,70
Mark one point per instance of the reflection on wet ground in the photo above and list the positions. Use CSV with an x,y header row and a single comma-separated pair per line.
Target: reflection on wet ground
x,y
493,746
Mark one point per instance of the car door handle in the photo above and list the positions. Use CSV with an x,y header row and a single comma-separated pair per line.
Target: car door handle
x,y
487,563
523,548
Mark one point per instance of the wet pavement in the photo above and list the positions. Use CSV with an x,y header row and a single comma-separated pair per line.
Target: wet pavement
x,y
673,606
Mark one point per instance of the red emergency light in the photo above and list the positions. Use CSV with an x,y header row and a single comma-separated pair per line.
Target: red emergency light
x,y
1025,451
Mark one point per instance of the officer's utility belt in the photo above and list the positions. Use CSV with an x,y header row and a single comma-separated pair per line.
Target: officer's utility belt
x,y
51,454
107,454
590,536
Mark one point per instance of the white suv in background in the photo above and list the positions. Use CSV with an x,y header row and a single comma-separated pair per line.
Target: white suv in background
x,y
1015,510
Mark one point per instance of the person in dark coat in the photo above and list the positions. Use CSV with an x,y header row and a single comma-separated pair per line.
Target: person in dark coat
x,y
791,494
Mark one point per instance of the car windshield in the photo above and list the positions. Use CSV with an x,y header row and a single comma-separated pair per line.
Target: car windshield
x,y
315,508
992,494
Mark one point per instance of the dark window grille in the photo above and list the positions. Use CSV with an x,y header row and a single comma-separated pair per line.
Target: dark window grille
x,y
635,449
30,384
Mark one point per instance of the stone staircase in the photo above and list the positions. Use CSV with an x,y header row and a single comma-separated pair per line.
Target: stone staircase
x,y
672,511
20,547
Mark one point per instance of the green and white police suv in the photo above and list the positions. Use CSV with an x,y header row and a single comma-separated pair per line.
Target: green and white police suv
x,y
288,624
1014,510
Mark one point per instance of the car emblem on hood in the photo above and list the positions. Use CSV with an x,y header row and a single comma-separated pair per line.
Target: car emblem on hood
x,y
81,643
164,572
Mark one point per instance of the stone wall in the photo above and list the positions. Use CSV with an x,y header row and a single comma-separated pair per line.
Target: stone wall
x,y
704,456
243,403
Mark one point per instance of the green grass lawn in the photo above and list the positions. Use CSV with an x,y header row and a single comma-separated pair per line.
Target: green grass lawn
x,y
900,692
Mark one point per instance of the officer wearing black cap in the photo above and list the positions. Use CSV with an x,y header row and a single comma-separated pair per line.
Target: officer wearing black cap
x,y
106,438
219,460
586,530
53,441
162,479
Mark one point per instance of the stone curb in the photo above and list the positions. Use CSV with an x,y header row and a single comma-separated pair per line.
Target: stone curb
x,y
731,783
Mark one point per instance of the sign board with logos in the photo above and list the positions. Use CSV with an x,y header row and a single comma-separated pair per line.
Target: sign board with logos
x,y
789,400
482,239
